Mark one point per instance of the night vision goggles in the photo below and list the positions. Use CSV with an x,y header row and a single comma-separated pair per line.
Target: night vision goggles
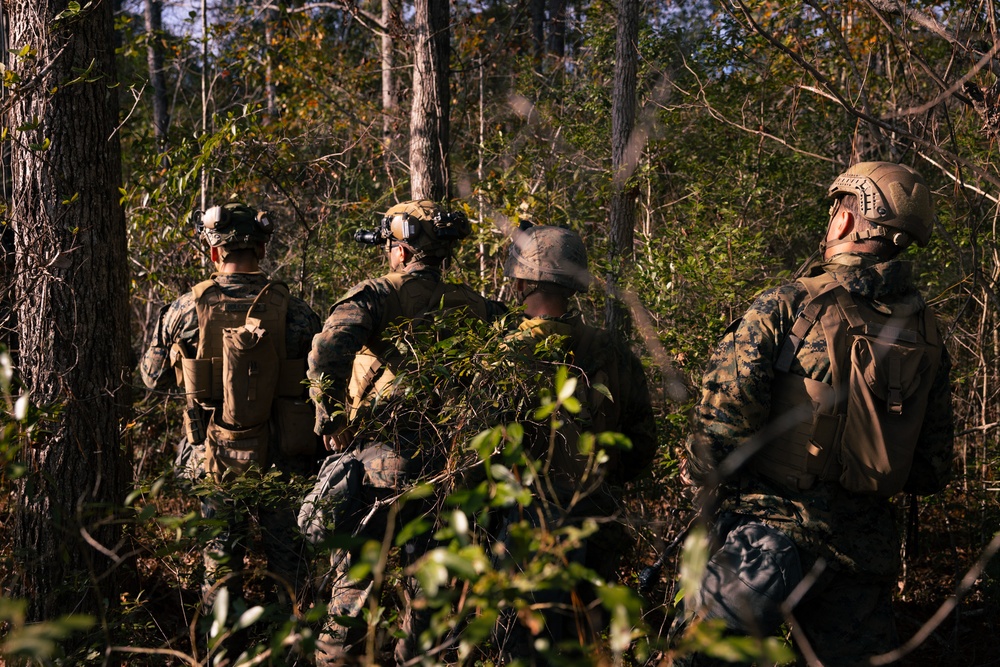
x,y
443,226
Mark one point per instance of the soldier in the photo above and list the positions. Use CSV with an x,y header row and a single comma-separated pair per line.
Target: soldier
x,y
549,266
236,344
830,395
352,367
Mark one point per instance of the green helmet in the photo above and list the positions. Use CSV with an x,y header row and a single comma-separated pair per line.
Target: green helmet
x,y
547,254
890,195
233,226
423,227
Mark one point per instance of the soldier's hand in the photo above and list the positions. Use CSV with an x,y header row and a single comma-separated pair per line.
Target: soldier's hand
x,y
338,441
684,473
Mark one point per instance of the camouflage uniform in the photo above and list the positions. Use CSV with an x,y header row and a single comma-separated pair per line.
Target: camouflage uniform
x,y
596,358
178,322
847,614
372,471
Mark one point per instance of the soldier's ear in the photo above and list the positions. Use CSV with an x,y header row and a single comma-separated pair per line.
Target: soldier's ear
x,y
215,253
841,224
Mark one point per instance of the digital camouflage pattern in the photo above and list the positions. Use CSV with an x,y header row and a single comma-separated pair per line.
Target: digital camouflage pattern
x,y
178,322
855,533
847,612
356,321
373,472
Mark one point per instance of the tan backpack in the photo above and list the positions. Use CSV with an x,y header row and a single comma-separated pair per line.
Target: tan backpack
x,y
862,429
241,383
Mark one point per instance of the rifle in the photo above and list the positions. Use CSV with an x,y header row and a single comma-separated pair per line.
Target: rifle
x,y
651,573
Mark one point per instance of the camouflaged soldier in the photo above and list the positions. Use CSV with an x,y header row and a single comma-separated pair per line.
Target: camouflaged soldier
x,y
240,319
352,367
829,395
549,266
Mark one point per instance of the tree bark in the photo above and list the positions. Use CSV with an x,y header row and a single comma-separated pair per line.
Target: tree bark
x,y
72,306
388,80
621,217
429,115
271,18
153,14
557,28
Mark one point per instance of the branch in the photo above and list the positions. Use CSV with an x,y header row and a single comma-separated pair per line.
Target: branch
x,y
360,14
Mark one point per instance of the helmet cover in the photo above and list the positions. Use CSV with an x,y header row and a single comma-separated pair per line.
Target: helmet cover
x,y
549,254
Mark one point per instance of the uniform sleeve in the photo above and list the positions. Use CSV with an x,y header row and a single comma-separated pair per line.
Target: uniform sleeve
x,y
352,323
736,390
637,422
176,323
933,457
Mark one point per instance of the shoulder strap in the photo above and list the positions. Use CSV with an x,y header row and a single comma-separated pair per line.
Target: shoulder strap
x,y
817,287
206,293
273,299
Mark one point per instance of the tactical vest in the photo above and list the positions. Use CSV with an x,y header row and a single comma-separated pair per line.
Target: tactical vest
x,y
246,399
411,297
862,429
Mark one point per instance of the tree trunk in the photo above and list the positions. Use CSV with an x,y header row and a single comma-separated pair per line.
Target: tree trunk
x,y
388,80
623,159
557,28
72,306
429,114
154,58
538,31
271,18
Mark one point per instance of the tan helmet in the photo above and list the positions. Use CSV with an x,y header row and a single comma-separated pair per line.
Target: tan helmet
x,y
891,195
233,225
423,227
547,254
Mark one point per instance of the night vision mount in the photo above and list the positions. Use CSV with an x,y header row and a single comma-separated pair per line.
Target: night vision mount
x,y
444,226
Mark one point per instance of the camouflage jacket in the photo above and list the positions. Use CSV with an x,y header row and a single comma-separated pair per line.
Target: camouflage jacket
x,y
851,531
356,321
599,358
178,322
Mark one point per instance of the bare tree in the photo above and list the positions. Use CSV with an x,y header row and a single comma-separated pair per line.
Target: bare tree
x,y
72,303
621,218
429,115
153,14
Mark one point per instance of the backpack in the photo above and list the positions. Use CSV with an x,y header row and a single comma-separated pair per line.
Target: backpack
x,y
862,429
242,383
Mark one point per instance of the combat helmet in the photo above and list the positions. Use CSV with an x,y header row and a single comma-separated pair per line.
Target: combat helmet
x,y
233,226
423,227
549,254
889,195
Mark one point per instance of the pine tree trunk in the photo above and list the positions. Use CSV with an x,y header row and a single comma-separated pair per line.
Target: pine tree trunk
x,y
153,15
623,197
72,293
429,115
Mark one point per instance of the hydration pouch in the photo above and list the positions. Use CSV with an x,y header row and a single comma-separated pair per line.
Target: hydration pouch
x,y
250,375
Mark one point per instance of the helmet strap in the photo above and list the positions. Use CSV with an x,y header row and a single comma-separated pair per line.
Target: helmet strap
x,y
899,239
